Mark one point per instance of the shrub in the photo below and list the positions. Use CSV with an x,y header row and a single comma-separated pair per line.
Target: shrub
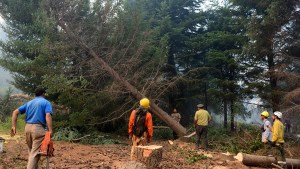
x,y
163,134
66,134
6,126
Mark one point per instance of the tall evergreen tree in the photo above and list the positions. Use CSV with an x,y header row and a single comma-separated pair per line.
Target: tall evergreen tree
x,y
261,58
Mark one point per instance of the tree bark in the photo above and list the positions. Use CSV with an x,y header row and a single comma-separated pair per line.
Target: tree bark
x,y
225,113
232,127
151,156
264,161
179,129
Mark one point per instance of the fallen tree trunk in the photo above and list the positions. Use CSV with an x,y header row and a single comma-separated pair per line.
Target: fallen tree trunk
x,y
254,160
179,129
265,161
293,163
151,155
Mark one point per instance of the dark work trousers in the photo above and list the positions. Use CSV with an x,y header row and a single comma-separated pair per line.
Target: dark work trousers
x,y
268,148
175,135
280,147
201,130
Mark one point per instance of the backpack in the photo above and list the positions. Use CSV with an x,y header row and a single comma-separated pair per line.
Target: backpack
x,y
139,126
46,148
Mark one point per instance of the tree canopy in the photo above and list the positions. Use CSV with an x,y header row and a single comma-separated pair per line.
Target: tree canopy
x,y
175,52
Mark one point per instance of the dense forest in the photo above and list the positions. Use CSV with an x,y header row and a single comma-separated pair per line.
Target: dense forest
x,y
97,58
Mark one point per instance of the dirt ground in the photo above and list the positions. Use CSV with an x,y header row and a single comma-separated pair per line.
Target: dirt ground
x,y
113,156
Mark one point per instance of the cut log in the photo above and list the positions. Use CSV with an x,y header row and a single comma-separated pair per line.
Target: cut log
x,y
190,135
149,155
254,160
187,138
161,127
277,166
264,161
293,163
170,142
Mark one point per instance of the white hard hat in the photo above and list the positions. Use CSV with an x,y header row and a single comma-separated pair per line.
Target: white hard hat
x,y
278,114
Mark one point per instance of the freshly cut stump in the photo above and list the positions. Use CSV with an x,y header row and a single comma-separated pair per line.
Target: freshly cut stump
x,y
264,161
149,155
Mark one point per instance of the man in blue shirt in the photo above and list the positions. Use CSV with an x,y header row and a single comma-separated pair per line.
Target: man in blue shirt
x,y
38,119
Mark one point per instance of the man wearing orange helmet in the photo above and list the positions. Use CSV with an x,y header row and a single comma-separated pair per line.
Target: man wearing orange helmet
x,y
140,128
266,132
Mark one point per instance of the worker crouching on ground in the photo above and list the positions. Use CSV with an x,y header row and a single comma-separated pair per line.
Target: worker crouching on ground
x,y
278,136
38,119
140,127
266,132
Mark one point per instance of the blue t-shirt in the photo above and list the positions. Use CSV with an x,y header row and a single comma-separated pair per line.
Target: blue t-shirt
x,y
36,110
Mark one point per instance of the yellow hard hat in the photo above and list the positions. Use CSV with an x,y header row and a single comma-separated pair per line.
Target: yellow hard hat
x,y
145,103
265,113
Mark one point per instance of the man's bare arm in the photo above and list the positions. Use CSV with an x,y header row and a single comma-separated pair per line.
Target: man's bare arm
x,y
49,122
15,114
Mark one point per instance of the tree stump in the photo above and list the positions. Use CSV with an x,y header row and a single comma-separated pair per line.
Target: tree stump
x,y
149,155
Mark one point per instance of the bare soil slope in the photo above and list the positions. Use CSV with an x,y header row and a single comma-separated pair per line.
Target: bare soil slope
x,y
75,156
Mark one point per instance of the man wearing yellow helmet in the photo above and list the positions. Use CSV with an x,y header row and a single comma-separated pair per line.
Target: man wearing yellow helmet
x,y
266,132
140,127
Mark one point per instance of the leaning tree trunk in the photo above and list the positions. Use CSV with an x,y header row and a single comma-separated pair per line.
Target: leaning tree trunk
x,y
179,129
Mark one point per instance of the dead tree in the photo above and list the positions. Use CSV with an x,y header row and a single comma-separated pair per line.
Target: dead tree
x,y
115,75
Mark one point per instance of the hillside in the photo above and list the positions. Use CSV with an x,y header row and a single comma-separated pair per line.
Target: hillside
x,y
114,156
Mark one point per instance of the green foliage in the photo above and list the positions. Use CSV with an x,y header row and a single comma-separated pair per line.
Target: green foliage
x,y
163,134
72,134
247,140
6,125
263,53
196,158
170,50
6,106
66,134
95,139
